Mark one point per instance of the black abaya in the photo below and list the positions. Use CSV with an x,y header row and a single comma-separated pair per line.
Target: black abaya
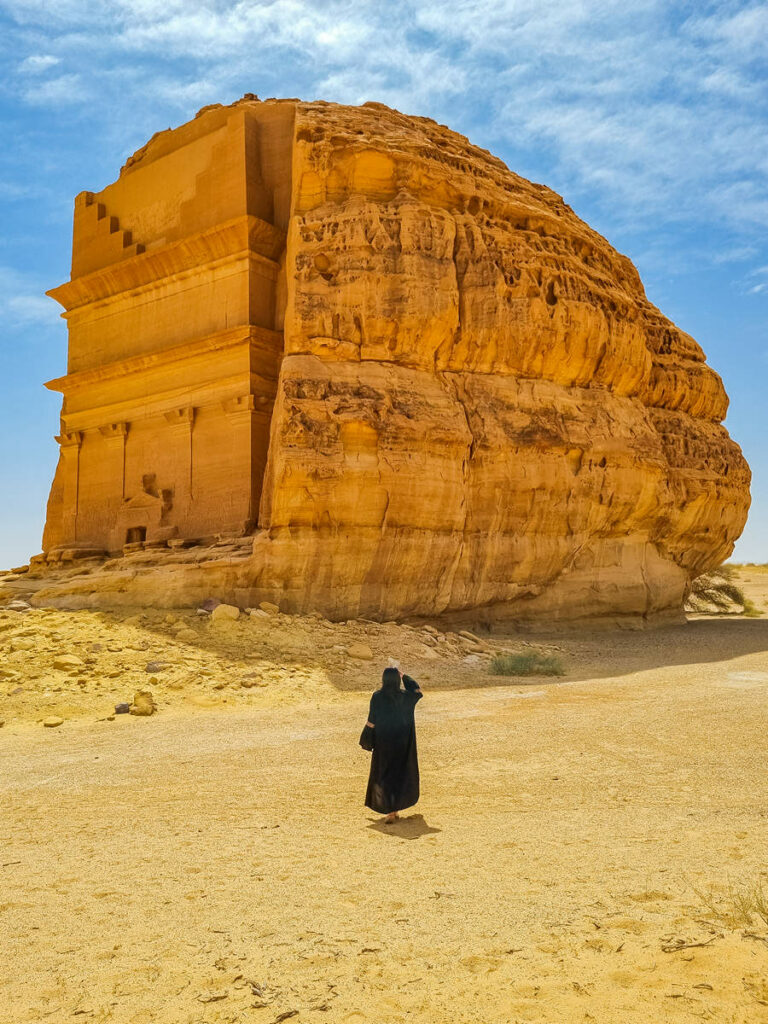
x,y
393,783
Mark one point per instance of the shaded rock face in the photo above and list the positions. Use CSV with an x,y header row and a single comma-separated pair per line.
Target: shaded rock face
x,y
470,406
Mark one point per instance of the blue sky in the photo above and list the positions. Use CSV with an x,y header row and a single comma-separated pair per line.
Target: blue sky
x,y
649,117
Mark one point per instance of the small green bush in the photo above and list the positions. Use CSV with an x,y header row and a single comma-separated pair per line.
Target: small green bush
x,y
751,610
531,663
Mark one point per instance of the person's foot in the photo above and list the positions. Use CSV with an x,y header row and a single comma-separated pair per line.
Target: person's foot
x,y
392,818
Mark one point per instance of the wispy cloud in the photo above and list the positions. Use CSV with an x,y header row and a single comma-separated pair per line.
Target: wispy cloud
x,y
757,281
37,63
23,301
644,110
60,91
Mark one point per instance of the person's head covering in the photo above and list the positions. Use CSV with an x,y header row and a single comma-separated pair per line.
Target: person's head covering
x,y
390,681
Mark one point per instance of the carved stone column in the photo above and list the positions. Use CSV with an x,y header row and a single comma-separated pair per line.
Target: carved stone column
x,y
240,412
70,443
181,422
115,435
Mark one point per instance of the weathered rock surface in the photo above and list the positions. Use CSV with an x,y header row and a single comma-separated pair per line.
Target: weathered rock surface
x,y
447,396
225,613
143,703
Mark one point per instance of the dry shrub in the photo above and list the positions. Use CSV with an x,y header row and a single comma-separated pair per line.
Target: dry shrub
x,y
744,906
718,593
530,663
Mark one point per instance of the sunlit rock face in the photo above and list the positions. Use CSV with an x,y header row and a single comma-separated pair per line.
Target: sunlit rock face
x,y
420,382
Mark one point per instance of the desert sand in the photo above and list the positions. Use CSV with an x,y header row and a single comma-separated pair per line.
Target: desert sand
x,y
578,852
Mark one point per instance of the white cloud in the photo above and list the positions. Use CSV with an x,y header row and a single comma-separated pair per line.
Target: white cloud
x,y
65,89
632,105
23,300
35,64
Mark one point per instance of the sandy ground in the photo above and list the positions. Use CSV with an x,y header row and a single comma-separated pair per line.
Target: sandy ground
x,y
577,855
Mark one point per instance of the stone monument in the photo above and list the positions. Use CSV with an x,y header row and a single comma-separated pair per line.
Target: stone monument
x,y
342,359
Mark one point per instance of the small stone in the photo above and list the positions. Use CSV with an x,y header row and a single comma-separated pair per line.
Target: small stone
x,y
170,619
269,608
469,636
220,685
18,606
68,662
248,681
361,652
52,722
209,605
154,666
225,613
186,636
258,613
2,722
213,996
143,703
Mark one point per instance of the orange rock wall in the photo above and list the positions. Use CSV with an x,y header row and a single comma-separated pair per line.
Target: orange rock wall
x,y
477,407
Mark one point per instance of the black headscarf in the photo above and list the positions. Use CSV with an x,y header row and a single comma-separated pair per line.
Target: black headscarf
x,y
390,683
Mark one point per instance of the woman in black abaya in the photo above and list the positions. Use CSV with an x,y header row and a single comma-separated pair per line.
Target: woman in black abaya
x,y
390,731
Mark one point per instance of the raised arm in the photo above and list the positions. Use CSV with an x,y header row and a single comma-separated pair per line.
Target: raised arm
x,y
412,687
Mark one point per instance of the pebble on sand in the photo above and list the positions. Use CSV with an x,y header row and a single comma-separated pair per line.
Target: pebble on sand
x,y
225,613
67,662
52,721
186,635
269,608
143,703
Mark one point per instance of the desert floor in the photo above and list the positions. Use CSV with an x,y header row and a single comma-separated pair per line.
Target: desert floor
x,y
581,852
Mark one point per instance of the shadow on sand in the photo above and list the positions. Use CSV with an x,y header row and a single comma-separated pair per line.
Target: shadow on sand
x,y
412,827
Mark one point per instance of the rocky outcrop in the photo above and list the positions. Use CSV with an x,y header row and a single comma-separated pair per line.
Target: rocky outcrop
x,y
476,412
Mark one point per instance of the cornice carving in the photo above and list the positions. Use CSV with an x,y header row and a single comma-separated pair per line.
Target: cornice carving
x,y
136,364
70,439
114,430
184,416
234,239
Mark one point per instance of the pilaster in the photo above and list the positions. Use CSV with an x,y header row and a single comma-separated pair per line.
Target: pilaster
x,y
70,444
115,435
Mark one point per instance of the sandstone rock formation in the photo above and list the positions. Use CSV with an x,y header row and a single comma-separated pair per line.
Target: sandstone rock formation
x,y
397,378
